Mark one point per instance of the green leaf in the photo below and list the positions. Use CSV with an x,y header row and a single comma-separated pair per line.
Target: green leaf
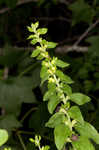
x,y
30,29
61,133
75,113
34,41
87,130
46,147
61,63
53,102
44,74
40,57
35,53
38,119
43,71
79,98
3,136
42,30
82,144
11,56
67,89
14,93
32,36
36,76
51,45
52,86
64,77
44,42
36,24
50,92
94,48
47,95
78,7
55,120
9,122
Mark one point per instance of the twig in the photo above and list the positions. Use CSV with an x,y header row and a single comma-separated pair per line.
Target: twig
x,y
21,141
66,2
85,33
52,19
66,49
59,49
20,2
5,73
28,113
33,133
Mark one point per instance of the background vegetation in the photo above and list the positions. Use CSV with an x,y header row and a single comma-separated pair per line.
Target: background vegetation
x,y
74,25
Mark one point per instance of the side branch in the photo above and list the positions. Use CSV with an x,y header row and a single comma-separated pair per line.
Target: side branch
x,y
86,33
59,49
20,2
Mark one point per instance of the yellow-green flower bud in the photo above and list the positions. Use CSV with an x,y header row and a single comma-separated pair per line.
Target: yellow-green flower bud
x,y
53,69
50,71
51,80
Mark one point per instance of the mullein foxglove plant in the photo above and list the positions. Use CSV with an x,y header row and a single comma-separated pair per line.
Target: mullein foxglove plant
x,y
67,121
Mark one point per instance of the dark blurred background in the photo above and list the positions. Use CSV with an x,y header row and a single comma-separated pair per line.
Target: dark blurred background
x,y
22,110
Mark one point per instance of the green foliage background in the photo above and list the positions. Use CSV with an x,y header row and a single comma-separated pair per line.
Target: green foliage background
x,y
22,112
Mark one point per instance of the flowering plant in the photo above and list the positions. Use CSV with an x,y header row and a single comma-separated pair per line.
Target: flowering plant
x,y
67,120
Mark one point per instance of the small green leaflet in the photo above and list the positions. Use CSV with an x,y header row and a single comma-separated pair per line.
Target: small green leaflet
x,y
36,24
45,147
64,77
44,74
47,95
32,36
53,102
82,144
33,27
35,53
3,136
50,92
42,30
55,120
75,113
44,42
61,133
87,130
51,45
79,98
40,57
30,29
52,86
34,41
43,71
67,89
61,63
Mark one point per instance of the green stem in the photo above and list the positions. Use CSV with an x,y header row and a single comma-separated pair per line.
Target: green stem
x,y
28,69
58,85
68,117
33,133
27,113
21,141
